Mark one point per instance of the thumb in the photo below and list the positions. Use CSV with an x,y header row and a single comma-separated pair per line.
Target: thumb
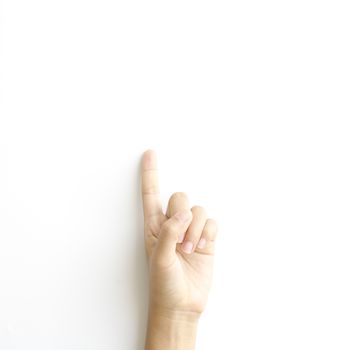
x,y
171,233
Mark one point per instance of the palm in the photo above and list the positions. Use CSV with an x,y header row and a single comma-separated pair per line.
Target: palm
x,y
186,279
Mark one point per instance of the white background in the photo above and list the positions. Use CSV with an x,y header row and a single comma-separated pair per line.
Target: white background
x,y
247,104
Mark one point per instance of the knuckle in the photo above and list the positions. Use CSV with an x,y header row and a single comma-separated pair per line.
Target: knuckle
x,y
211,228
169,227
179,195
213,224
151,189
197,209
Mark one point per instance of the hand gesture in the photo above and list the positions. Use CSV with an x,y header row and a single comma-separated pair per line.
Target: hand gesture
x,y
179,246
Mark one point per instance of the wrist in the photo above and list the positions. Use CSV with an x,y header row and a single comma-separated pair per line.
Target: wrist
x,y
171,330
174,315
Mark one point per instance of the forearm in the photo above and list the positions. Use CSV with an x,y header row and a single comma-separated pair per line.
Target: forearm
x,y
171,330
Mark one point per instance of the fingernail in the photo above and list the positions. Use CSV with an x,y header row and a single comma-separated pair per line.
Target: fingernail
x,y
187,247
183,216
201,244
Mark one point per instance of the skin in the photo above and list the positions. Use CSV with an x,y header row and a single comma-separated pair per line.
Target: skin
x,y
180,252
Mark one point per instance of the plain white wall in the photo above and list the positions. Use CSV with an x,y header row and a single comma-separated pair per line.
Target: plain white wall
x,y
247,104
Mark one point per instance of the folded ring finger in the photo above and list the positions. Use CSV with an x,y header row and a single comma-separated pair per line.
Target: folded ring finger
x,y
195,229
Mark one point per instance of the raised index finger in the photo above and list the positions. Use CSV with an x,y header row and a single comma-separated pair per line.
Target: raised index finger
x,y
150,187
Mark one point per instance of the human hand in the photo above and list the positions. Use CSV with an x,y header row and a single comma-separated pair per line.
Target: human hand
x,y
180,249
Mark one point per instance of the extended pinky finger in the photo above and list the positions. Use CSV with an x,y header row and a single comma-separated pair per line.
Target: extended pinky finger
x,y
208,236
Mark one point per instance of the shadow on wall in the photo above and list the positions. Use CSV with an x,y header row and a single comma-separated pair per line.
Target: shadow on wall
x,y
139,268
131,281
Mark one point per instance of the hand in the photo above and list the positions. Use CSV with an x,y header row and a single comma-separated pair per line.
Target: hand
x,y
180,249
